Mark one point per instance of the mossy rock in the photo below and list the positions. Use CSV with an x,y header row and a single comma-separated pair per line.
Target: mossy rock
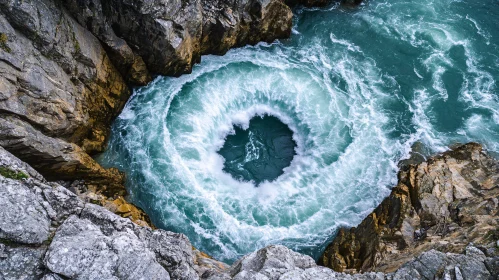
x,y
12,174
3,42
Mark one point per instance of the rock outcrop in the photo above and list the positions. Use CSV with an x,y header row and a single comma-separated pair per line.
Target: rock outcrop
x,y
280,263
66,68
168,36
322,3
48,232
59,91
442,204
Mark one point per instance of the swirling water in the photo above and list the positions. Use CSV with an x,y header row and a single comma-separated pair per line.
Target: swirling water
x,y
358,88
259,152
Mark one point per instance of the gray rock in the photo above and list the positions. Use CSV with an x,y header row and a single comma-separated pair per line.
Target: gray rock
x,y
169,36
492,265
52,276
319,273
21,262
7,160
57,76
457,272
90,242
23,219
81,250
270,263
172,250
58,91
433,264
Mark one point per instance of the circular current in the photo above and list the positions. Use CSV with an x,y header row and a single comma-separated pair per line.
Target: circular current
x,y
357,88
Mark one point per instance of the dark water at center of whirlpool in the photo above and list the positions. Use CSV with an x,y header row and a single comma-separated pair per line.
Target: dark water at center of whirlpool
x,y
260,152
352,89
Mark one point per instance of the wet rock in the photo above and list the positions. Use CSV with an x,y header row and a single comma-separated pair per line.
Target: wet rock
x,y
443,203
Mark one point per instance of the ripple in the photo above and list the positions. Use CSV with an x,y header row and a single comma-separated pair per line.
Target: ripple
x,y
356,96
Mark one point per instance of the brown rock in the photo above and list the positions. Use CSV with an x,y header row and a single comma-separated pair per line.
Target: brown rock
x,y
207,265
444,203
64,67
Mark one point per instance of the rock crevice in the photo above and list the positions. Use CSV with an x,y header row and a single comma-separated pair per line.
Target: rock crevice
x,y
66,67
48,232
444,203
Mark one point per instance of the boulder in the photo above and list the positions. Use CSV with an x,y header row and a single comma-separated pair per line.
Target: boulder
x,y
45,229
444,203
55,235
21,262
67,65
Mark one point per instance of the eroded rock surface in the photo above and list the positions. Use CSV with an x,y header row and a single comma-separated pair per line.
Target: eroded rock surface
x,y
66,66
59,91
50,233
46,229
168,36
281,263
443,204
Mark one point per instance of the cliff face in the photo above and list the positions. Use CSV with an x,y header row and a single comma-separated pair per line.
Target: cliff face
x,y
168,36
58,90
47,232
65,72
444,204
66,67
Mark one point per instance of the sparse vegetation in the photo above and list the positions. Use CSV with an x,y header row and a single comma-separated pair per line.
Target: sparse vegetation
x,y
3,42
12,174
76,43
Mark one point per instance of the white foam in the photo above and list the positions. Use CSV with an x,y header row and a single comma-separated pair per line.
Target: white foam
x,y
345,157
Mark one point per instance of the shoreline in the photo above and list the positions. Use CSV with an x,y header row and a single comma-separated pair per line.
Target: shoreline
x,y
88,67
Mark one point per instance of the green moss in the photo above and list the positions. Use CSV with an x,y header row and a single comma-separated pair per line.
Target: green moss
x,y
94,201
49,239
76,43
16,175
3,42
7,242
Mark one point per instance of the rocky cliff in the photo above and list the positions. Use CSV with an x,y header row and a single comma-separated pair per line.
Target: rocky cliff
x,y
66,71
66,68
47,232
444,204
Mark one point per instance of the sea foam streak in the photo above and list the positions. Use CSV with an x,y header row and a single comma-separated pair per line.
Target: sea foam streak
x,y
356,96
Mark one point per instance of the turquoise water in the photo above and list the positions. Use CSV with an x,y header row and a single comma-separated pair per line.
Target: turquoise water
x,y
260,152
357,87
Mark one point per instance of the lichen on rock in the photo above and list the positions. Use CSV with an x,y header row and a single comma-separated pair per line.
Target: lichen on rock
x,y
48,232
443,203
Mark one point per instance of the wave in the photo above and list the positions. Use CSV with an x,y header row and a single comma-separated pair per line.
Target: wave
x,y
358,88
